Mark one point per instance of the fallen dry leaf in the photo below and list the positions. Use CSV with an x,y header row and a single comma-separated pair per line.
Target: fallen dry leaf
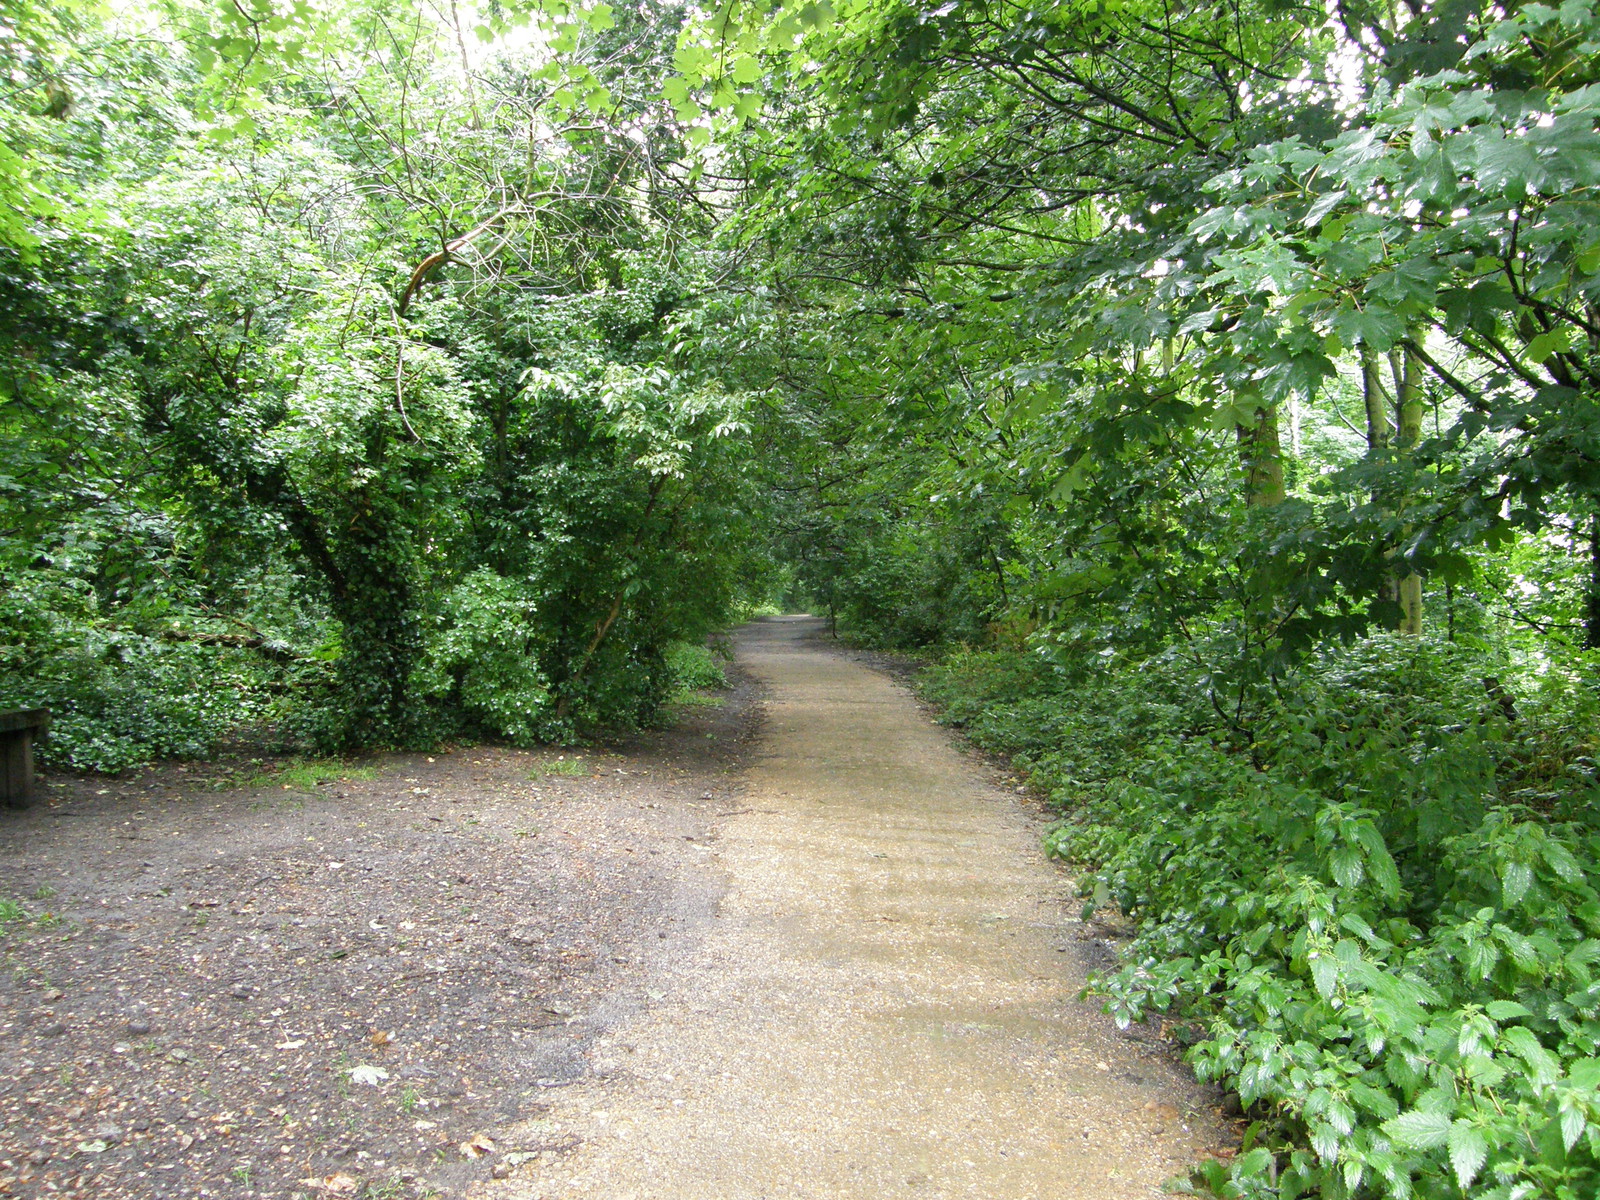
x,y
478,1146
334,1185
381,1038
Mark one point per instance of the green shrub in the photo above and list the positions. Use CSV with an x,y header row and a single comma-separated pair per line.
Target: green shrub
x,y
692,668
482,656
1394,955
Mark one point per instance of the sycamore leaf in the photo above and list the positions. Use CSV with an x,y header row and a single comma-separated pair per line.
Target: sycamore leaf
x,y
1324,205
368,1074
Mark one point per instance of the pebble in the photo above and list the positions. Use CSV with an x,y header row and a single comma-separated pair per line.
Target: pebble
x,y
241,991
109,1133
138,1028
55,1030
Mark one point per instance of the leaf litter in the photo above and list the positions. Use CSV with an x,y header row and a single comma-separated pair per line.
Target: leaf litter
x,y
200,1001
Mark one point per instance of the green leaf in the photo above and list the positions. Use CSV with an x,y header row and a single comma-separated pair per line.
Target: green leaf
x,y
1468,1151
746,69
1544,345
1515,882
1572,1124
1418,1130
1324,205
1507,1010
1346,866
1325,975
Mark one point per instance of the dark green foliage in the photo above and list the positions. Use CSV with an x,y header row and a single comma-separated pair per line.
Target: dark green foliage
x,y
1392,955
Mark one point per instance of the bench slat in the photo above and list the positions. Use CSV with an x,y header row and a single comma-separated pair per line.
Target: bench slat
x,y
36,719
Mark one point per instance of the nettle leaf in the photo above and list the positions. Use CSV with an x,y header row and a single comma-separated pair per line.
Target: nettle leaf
x,y
1346,866
1325,975
1515,882
1507,1010
1572,1123
1379,862
1468,1151
1418,1130
1542,1065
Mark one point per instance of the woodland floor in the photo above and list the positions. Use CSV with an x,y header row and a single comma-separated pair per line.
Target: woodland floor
x,y
811,955
205,966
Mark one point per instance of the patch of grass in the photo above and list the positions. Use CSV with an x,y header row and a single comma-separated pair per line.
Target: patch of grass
x,y
11,912
572,768
696,699
304,774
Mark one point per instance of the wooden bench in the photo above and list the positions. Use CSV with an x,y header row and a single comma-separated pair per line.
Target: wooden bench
x,y
18,729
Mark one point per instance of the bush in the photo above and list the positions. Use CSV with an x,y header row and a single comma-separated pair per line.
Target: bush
x,y
482,657
1393,955
692,668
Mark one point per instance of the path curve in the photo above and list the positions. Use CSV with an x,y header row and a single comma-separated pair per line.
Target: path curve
x,y
885,1006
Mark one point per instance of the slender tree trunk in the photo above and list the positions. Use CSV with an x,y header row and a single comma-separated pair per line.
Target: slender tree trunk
x,y
1380,430
1262,456
1591,625
1408,431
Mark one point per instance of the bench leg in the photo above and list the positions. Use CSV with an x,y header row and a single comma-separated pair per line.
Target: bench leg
x,y
16,786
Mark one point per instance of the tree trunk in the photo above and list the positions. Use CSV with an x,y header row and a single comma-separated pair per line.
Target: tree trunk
x,y
1591,624
1261,454
1379,433
1408,430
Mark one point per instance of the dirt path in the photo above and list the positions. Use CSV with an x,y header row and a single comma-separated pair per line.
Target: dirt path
x,y
884,1006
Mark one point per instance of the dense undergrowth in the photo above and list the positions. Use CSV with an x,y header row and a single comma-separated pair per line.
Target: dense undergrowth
x,y
1367,888
120,698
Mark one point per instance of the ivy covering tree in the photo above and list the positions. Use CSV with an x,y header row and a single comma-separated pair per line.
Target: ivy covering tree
x,y
1213,392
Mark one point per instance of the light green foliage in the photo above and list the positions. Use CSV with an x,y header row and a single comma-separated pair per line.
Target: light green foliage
x,y
483,655
564,766
693,667
304,774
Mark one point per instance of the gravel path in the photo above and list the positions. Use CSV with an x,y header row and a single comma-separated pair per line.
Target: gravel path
x,y
885,1003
